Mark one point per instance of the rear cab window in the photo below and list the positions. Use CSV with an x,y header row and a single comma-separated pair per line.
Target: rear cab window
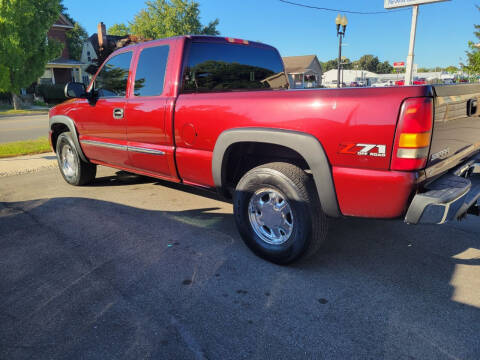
x,y
220,67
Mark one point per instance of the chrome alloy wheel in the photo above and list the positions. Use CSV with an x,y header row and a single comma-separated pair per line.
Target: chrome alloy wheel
x,y
68,161
270,216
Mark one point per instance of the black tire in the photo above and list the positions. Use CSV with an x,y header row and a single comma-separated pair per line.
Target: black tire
x,y
305,221
74,170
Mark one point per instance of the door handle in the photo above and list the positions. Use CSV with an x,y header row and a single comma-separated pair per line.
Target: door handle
x,y
118,113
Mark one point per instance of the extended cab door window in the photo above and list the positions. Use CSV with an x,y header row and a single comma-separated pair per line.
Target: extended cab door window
x,y
150,75
214,67
112,80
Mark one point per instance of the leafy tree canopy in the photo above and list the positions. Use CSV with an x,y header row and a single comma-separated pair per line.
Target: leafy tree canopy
x,y
368,62
165,18
384,68
118,29
451,69
473,55
333,64
76,37
24,46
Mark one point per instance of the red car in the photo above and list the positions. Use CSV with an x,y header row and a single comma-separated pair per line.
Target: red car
x,y
420,81
217,113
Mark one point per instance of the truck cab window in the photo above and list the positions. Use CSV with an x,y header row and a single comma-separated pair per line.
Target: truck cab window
x,y
150,73
111,81
213,67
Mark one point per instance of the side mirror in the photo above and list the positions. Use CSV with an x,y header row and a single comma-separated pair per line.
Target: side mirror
x,y
75,90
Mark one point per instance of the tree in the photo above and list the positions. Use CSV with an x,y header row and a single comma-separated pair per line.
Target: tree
x,y
333,64
368,62
118,29
384,68
76,38
423,70
165,18
24,46
452,69
473,56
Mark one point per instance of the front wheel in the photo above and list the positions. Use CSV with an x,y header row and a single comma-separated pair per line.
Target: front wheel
x,y
278,213
74,170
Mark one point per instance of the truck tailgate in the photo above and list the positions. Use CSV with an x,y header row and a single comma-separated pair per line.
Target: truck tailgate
x,y
456,129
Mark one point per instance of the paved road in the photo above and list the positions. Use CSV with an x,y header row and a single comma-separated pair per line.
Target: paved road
x,y
143,269
25,127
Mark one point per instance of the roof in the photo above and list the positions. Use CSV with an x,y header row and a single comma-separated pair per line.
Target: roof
x,y
63,22
61,61
110,39
298,64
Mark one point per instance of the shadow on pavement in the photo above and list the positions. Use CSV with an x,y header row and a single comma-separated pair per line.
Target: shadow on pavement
x,y
83,278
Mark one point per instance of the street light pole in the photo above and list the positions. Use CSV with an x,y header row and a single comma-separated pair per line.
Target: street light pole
x,y
340,21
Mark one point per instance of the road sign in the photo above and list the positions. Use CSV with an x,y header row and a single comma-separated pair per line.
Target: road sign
x,y
399,64
392,4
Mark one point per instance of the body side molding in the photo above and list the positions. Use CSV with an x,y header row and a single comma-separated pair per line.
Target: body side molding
x,y
304,144
62,119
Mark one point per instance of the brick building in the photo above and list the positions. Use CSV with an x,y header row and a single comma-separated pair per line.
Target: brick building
x,y
62,69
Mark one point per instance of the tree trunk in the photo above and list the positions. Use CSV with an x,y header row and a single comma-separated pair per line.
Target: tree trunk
x,y
17,103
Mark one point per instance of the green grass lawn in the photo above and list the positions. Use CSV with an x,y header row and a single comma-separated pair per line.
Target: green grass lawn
x,y
8,110
16,148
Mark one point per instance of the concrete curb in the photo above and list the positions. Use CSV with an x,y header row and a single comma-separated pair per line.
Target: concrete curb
x,y
27,164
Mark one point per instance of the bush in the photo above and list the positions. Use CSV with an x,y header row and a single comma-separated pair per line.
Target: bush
x,y
5,98
51,93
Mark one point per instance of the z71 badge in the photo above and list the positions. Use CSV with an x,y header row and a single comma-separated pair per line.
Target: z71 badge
x,y
363,149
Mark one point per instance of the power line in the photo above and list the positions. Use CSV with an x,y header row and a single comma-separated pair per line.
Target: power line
x,y
339,10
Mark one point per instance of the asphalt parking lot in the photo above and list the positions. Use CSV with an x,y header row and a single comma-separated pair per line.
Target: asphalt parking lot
x,y
136,268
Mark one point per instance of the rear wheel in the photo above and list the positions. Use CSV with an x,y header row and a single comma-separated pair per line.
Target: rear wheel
x,y
278,214
74,170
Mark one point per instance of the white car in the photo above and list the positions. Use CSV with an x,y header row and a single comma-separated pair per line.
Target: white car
x,y
384,83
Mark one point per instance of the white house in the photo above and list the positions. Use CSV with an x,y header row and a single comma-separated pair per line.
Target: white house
x,y
303,71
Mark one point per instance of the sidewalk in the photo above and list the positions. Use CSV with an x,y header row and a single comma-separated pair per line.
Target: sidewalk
x,y
27,164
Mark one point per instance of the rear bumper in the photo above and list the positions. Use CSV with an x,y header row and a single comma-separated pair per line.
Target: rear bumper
x,y
451,196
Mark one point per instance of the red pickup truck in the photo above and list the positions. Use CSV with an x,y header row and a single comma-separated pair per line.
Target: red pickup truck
x,y
217,113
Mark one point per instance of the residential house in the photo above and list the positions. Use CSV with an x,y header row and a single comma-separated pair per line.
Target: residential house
x,y
63,69
99,46
303,71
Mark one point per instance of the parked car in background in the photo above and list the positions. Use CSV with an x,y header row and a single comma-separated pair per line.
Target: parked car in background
x,y
383,83
216,113
420,81
416,81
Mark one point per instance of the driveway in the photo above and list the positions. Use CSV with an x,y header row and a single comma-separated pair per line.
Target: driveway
x,y
23,127
137,268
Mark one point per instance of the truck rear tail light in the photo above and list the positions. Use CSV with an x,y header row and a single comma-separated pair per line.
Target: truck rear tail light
x,y
413,135
237,41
